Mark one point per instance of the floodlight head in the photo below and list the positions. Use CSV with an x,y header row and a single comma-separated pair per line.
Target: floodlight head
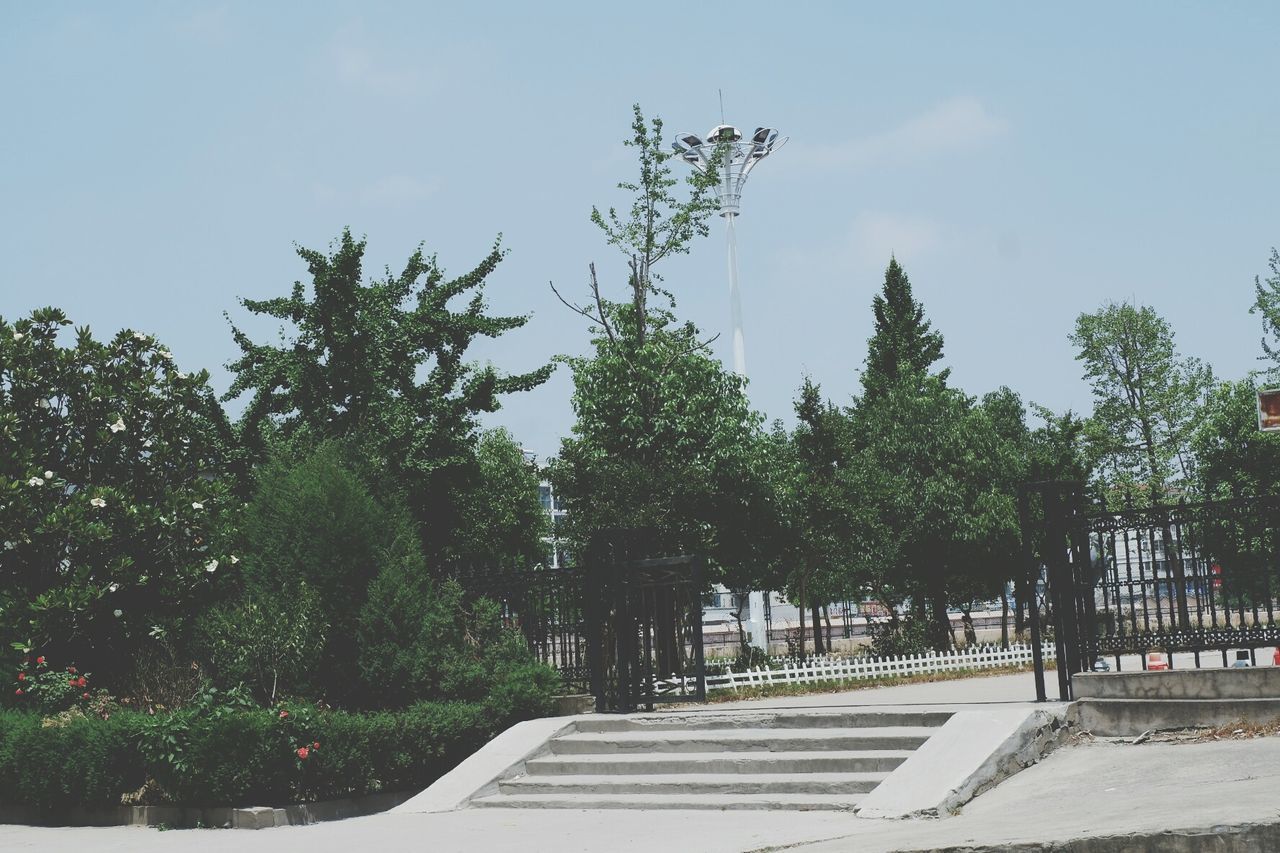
x,y
724,133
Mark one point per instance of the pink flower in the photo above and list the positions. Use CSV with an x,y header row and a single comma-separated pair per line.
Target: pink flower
x,y
303,752
283,713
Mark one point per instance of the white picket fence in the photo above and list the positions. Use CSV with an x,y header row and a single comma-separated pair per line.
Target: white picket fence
x,y
831,668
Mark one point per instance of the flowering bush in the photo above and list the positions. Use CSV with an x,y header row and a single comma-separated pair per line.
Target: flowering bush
x,y
115,471
46,690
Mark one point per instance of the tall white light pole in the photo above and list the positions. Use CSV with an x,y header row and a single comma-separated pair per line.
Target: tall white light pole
x,y
734,158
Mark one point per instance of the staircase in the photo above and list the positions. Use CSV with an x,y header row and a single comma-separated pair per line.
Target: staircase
x,y
751,760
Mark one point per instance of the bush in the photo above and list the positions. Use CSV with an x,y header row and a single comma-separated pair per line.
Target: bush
x,y
899,637
419,641
219,752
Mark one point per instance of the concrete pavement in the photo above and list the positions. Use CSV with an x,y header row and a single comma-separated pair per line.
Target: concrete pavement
x,y
1094,791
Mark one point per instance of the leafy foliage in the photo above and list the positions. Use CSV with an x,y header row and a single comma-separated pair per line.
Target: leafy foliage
x,y
1145,397
501,517
382,366
903,343
117,474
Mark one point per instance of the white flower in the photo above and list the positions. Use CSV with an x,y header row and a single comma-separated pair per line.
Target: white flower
x,y
35,481
233,559
141,337
17,336
113,587
118,426
98,502
197,505
211,566
165,354
180,375
146,443
118,613
48,475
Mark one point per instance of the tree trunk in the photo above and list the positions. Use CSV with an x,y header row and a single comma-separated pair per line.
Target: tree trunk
x,y
1020,598
970,635
818,647
800,607
1004,616
941,637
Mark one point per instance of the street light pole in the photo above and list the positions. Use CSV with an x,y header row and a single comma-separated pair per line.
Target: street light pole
x,y
733,159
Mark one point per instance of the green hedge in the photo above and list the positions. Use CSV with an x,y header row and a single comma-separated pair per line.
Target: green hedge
x,y
238,757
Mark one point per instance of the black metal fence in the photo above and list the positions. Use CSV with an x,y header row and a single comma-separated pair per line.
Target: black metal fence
x,y
1199,578
625,626
546,605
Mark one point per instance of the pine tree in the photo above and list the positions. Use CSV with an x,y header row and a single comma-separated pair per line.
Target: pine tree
x,y
903,343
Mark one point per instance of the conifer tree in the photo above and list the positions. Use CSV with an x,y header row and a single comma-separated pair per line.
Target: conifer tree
x,y
903,343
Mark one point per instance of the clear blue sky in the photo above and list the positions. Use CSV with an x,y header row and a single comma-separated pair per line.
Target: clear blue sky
x,y
1025,162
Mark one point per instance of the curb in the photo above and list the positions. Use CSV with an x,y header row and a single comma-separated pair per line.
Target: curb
x,y
219,817
1248,838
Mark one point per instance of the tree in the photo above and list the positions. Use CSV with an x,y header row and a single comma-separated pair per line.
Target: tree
x,y
117,476
502,518
1235,459
1145,397
1267,303
903,343
382,365
827,518
932,471
1145,400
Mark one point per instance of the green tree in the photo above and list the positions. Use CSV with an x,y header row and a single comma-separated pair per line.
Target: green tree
x,y
382,365
502,518
1267,304
903,343
1145,398
932,473
664,437
1235,459
314,536
117,476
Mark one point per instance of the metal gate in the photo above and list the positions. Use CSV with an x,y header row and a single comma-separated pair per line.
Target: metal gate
x,y
1199,578
644,618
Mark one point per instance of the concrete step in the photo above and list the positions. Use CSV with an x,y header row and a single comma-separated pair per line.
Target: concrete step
x,y
697,783
1132,717
834,761
719,802
741,740
1261,682
754,719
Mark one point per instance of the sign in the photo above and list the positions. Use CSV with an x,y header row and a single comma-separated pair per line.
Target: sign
x,y
1269,410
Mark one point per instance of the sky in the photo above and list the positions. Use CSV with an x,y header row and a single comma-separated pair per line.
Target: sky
x,y
1024,163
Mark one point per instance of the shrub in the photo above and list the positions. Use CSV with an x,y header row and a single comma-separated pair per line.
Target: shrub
x,y
419,640
221,752
312,525
898,637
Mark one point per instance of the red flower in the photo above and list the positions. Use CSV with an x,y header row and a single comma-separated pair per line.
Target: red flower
x,y
18,692
315,745
283,713
40,661
22,676
80,682
71,681
84,696
71,669
303,752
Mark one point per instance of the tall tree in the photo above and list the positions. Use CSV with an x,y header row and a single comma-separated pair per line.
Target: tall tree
x,y
1267,303
664,436
502,517
1235,459
903,343
383,365
1145,397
